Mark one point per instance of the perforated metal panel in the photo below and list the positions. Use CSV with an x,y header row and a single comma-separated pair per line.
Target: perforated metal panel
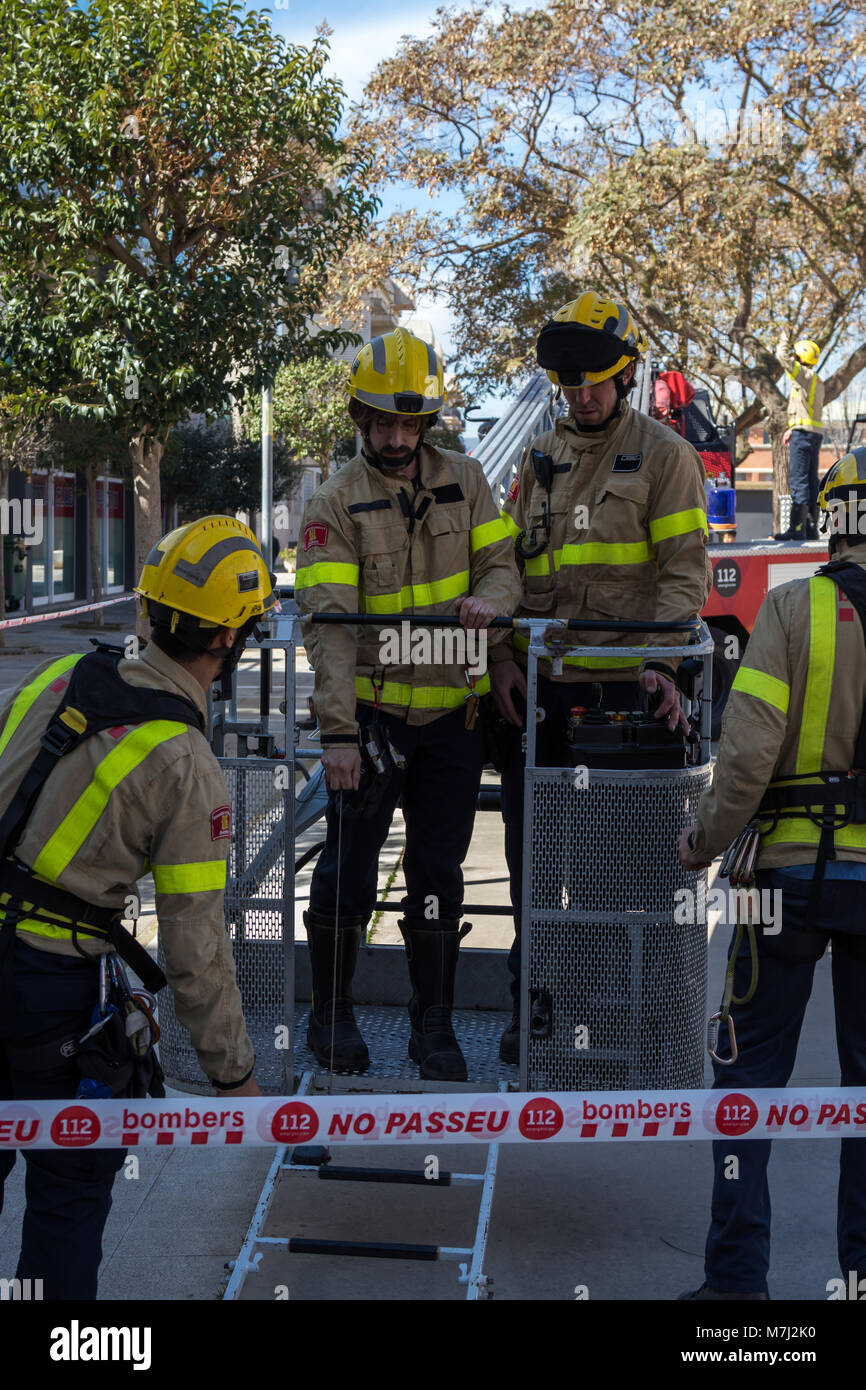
x,y
259,912
625,981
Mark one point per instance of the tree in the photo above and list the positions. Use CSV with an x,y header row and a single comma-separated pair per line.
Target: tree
x,y
310,414
174,188
707,164
208,471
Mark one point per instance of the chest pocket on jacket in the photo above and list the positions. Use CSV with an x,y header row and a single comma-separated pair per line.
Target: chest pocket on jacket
x,y
381,550
446,543
620,510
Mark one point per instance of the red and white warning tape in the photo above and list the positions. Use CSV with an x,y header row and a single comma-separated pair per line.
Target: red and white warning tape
x,y
63,612
477,1118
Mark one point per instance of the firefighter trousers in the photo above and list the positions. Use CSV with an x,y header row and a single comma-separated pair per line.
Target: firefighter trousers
x,y
68,1194
438,791
768,1029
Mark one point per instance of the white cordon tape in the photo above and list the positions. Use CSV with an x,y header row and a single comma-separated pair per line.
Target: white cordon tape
x,y
63,612
476,1118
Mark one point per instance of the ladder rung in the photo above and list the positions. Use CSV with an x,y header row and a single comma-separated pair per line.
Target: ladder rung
x,y
373,1249
395,1175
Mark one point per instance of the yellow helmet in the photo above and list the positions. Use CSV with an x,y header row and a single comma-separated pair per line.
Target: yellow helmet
x,y
212,570
843,488
807,351
398,373
588,340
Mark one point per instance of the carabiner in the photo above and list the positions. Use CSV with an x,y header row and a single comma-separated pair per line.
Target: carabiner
x,y
713,1039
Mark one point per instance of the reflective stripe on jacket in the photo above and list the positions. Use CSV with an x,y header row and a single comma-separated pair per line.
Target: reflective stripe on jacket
x,y
628,536
794,709
125,801
806,401
359,552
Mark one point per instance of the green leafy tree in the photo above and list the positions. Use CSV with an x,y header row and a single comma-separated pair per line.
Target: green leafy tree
x,y
310,415
209,471
173,188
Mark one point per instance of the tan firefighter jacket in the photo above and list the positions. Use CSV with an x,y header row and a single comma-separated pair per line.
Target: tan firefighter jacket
x,y
794,708
628,538
362,550
124,802
806,401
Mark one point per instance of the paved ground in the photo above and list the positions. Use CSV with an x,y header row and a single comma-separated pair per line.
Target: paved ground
x,y
626,1221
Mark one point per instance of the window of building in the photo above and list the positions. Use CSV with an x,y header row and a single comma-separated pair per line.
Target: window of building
x,y
110,517
53,560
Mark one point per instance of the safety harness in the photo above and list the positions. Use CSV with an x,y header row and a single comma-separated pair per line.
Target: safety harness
x,y
833,800
96,698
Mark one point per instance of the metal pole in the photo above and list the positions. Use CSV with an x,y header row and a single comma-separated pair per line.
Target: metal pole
x,y
267,513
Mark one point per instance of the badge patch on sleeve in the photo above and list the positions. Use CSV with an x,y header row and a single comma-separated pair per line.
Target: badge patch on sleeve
x,y
221,823
514,490
626,463
315,535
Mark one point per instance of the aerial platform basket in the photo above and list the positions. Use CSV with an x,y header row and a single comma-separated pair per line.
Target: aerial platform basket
x,y
614,976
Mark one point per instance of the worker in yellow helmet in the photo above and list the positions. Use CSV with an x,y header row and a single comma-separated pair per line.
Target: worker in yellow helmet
x,y
608,516
803,435
792,754
106,774
406,528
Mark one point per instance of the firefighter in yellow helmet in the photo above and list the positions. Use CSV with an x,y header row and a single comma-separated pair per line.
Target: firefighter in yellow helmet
x,y
405,528
608,517
803,435
793,755
106,774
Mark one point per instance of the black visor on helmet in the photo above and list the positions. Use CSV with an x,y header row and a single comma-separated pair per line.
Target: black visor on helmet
x,y
408,402
571,349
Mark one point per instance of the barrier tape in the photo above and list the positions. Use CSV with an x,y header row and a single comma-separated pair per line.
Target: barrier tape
x,y
63,612
476,1118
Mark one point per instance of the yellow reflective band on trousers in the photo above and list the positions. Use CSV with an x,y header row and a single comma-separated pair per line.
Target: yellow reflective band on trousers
x,y
190,878
488,533
419,696
75,827
520,641
25,698
819,676
326,573
664,528
775,692
418,595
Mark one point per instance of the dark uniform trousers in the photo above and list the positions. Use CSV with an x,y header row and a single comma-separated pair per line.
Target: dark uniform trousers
x,y
439,790
552,749
768,1029
68,1193
803,454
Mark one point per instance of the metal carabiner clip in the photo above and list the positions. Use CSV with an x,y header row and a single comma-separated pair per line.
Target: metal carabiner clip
x,y
713,1040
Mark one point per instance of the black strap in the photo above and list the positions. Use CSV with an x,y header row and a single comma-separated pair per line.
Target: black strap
x,y
103,700
851,579
89,920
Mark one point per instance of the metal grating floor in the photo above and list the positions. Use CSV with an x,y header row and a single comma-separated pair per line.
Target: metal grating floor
x,y
385,1030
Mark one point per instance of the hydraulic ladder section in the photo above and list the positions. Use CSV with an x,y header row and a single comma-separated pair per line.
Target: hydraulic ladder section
x,y
314,1162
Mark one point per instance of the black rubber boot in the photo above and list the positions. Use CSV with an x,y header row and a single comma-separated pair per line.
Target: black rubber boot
x,y
509,1043
796,526
432,956
810,524
332,1014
